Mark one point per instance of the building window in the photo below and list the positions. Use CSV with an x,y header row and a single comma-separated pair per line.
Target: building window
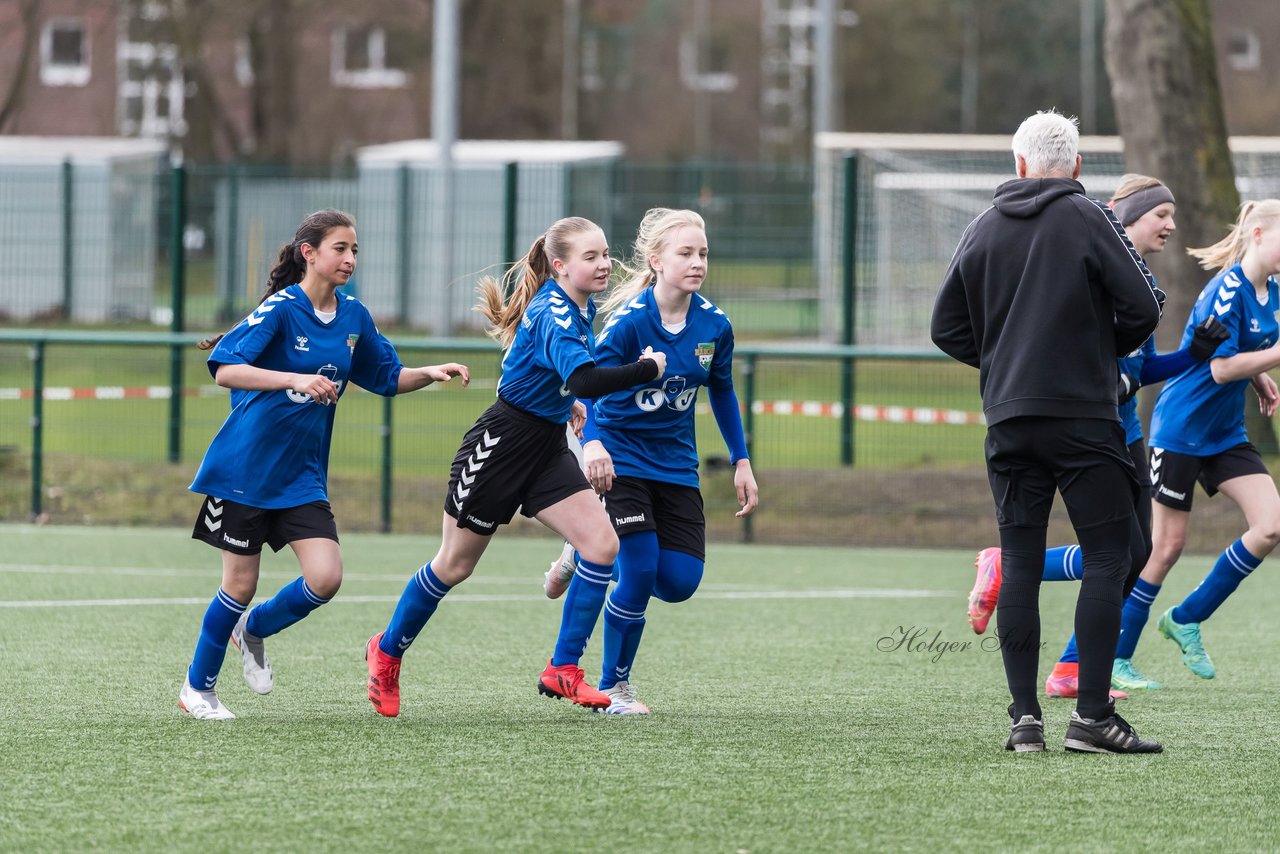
x,y
1244,50
151,92
64,53
366,58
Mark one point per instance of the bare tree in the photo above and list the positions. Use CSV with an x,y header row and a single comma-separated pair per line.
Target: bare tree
x,y
207,116
1164,82
11,100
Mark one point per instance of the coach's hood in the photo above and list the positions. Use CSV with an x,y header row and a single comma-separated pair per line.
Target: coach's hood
x,y
1027,197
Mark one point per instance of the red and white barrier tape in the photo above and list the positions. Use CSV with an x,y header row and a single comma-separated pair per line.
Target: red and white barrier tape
x,y
808,408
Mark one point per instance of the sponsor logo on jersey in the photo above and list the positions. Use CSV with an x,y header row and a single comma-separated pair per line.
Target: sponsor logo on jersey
x,y
330,371
302,344
479,522
705,352
675,393
240,544
1253,325
1164,490
627,520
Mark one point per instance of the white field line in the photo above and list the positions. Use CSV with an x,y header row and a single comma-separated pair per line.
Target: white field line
x,y
210,572
848,593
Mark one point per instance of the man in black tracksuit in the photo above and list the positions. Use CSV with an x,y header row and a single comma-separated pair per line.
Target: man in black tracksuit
x,y
1042,294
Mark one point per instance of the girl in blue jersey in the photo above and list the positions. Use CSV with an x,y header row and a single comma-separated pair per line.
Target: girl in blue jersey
x,y
1145,207
640,450
1198,430
516,455
265,473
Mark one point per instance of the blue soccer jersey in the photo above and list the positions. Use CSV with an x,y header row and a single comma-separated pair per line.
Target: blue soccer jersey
x,y
649,430
1132,365
273,449
1195,415
554,338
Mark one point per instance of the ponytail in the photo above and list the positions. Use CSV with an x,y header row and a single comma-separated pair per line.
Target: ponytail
x,y
1231,249
525,277
290,266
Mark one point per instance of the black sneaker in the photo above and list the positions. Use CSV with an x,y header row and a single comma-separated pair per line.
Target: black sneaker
x,y
1026,735
1112,734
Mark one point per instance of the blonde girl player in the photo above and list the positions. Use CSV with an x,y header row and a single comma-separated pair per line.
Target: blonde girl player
x,y
1198,430
265,474
516,455
641,452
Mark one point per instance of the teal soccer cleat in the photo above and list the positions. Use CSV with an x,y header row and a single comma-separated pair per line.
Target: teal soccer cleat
x,y
1187,637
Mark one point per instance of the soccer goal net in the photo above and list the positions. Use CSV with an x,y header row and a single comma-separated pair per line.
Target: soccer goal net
x,y
915,193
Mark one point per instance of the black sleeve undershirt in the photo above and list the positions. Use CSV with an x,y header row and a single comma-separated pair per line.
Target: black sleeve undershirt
x,y
590,381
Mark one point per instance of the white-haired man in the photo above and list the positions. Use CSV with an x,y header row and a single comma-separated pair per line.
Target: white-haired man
x,y
1042,294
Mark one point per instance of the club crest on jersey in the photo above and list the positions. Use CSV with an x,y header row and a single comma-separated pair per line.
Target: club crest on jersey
x,y
1253,325
705,352
351,342
302,344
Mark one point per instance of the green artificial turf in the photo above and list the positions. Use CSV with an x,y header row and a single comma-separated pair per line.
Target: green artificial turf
x,y
783,718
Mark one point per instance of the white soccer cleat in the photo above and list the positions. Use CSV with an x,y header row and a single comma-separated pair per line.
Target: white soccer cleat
x,y
622,697
202,705
556,579
257,667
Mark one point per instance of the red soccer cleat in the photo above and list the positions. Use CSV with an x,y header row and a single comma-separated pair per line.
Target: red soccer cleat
x,y
568,681
384,678
1064,681
986,589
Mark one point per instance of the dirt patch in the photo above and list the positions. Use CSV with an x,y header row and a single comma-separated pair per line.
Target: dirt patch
x,y
922,508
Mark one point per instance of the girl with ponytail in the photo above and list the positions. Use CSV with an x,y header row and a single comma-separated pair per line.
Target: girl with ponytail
x,y
516,455
1198,429
640,450
265,475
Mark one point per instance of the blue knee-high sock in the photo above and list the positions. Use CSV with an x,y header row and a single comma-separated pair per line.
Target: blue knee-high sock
x,y
679,575
1070,654
581,610
637,569
1232,567
1137,608
211,647
1064,563
293,602
417,603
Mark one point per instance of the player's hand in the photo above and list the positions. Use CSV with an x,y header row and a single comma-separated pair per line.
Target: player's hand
x,y
449,370
1206,338
744,481
577,418
1268,395
598,465
1126,387
320,388
657,356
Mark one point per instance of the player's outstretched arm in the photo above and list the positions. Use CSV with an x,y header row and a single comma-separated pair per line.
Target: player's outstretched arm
x,y
412,379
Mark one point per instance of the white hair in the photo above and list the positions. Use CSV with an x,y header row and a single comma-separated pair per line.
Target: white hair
x,y
1049,142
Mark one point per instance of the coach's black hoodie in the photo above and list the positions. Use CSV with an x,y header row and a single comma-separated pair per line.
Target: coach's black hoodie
x,y
1042,293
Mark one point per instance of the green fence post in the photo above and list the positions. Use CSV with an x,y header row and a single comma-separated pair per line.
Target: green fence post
x,y
37,427
749,424
404,203
385,525
848,308
68,237
178,290
511,175
227,311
